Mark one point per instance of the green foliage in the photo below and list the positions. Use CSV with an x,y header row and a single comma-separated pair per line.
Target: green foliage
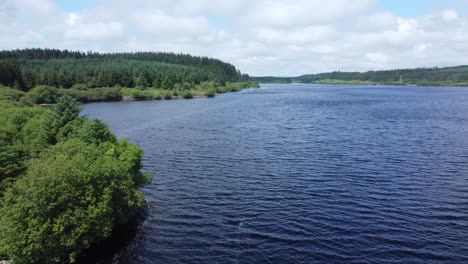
x,y
157,96
80,87
186,94
93,95
91,77
43,95
7,93
10,73
187,86
210,92
73,195
167,95
65,111
65,182
141,95
13,142
233,87
65,69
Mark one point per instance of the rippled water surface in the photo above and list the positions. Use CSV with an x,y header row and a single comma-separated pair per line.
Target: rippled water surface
x,y
302,174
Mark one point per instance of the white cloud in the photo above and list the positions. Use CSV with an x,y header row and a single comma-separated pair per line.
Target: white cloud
x,y
292,36
156,21
72,18
376,22
300,13
94,31
38,7
421,48
264,37
7,12
377,57
449,15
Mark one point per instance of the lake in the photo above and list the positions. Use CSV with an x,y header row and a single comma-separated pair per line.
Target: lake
x,y
301,174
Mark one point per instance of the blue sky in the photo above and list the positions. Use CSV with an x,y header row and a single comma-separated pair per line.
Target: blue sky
x,y
74,6
412,8
262,37
406,8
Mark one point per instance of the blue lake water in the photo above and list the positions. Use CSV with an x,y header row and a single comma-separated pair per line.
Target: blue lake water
x,y
302,174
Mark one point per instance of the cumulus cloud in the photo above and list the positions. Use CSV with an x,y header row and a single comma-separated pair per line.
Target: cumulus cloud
x,y
7,12
95,31
157,22
38,7
300,13
264,37
78,28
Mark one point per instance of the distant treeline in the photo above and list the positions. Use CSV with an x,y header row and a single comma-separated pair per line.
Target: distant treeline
x,y
272,79
27,68
420,76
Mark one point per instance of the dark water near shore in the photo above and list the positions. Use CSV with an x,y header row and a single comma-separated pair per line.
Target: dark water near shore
x,y
302,174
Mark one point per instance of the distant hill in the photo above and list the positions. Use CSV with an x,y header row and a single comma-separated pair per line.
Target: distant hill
x,y
456,76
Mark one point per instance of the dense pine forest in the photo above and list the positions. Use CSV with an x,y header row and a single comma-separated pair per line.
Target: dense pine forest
x,y
450,76
46,74
30,67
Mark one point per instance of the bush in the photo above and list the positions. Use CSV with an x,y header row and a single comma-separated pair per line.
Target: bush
x,y
187,86
81,96
157,96
210,92
70,198
187,94
221,89
167,95
103,94
10,93
142,95
80,87
43,94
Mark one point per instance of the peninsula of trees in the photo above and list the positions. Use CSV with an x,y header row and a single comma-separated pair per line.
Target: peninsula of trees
x,y
89,76
65,181
449,76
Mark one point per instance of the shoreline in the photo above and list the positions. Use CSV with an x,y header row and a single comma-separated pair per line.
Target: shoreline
x,y
389,84
374,84
131,98
127,98
48,95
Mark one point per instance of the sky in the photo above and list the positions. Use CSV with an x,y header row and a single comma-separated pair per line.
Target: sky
x,y
261,37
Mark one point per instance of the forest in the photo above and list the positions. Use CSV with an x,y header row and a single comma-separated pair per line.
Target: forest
x,y
91,76
449,76
65,181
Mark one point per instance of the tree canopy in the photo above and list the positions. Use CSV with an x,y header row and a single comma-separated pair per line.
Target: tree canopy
x,y
31,67
65,182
